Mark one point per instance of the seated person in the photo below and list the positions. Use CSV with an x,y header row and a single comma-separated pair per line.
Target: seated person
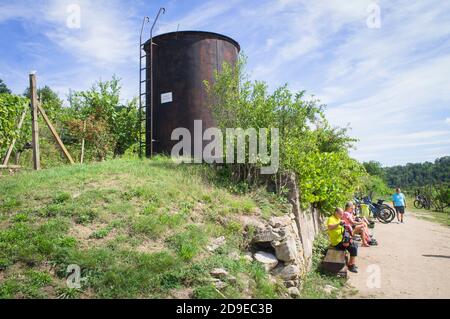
x,y
367,222
336,231
359,227
359,218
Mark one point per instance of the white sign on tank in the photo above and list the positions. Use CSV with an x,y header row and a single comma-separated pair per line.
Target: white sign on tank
x,y
166,98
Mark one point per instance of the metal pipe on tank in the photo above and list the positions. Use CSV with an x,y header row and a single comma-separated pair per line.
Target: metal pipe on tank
x,y
163,11
146,20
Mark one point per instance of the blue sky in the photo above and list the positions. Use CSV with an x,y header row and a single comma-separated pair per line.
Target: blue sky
x,y
391,84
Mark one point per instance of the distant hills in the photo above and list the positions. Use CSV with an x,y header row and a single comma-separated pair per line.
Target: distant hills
x,y
413,175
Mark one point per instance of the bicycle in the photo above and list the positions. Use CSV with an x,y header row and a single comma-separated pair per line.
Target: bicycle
x,y
384,213
422,202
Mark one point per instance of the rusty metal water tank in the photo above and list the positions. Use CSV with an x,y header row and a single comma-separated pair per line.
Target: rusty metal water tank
x,y
182,61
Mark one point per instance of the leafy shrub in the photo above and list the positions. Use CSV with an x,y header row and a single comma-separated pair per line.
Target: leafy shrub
x,y
438,195
20,218
62,198
375,185
309,146
188,243
320,247
102,233
328,179
108,127
85,216
11,109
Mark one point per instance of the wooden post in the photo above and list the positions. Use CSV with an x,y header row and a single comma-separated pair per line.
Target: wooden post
x,y
17,159
55,134
35,126
13,143
83,143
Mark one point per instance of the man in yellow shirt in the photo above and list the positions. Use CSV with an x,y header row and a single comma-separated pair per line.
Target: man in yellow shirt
x,y
336,230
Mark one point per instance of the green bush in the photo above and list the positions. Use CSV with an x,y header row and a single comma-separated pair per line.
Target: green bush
x,y
309,146
375,185
11,109
62,198
189,243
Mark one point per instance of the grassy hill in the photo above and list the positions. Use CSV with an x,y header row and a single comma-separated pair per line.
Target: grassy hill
x,y
137,229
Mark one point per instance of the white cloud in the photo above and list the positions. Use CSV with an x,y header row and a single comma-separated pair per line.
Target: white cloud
x,y
105,37
447,120
303,27
204,16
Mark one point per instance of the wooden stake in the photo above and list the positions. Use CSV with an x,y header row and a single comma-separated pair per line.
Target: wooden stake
x,y
83,143
35,126
17,159
13,143
55,134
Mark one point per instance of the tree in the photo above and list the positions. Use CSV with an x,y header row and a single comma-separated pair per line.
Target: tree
x,y
96,133
111,127
441,198
126,127
309,146
4,88
374,168
50,100
375,185
418,175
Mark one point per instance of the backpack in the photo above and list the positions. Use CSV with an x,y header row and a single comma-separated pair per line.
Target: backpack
x,y
346,236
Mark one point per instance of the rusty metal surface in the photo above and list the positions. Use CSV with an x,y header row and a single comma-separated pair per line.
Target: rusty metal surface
x,y
182,62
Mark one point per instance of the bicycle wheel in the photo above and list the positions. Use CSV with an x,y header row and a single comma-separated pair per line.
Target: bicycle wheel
x,y
418,204
385,215
392,215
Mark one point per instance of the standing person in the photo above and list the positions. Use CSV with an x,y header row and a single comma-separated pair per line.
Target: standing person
x,y
340,239
399,201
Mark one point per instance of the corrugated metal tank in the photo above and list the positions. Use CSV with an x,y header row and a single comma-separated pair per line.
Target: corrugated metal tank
x,y
182,61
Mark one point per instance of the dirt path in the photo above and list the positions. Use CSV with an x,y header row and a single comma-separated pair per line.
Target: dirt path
x,y
412,261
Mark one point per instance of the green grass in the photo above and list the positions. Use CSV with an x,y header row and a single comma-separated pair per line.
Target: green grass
x,y
137,229
437,217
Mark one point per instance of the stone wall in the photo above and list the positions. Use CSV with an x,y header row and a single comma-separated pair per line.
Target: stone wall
x,y
308,221
285,244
